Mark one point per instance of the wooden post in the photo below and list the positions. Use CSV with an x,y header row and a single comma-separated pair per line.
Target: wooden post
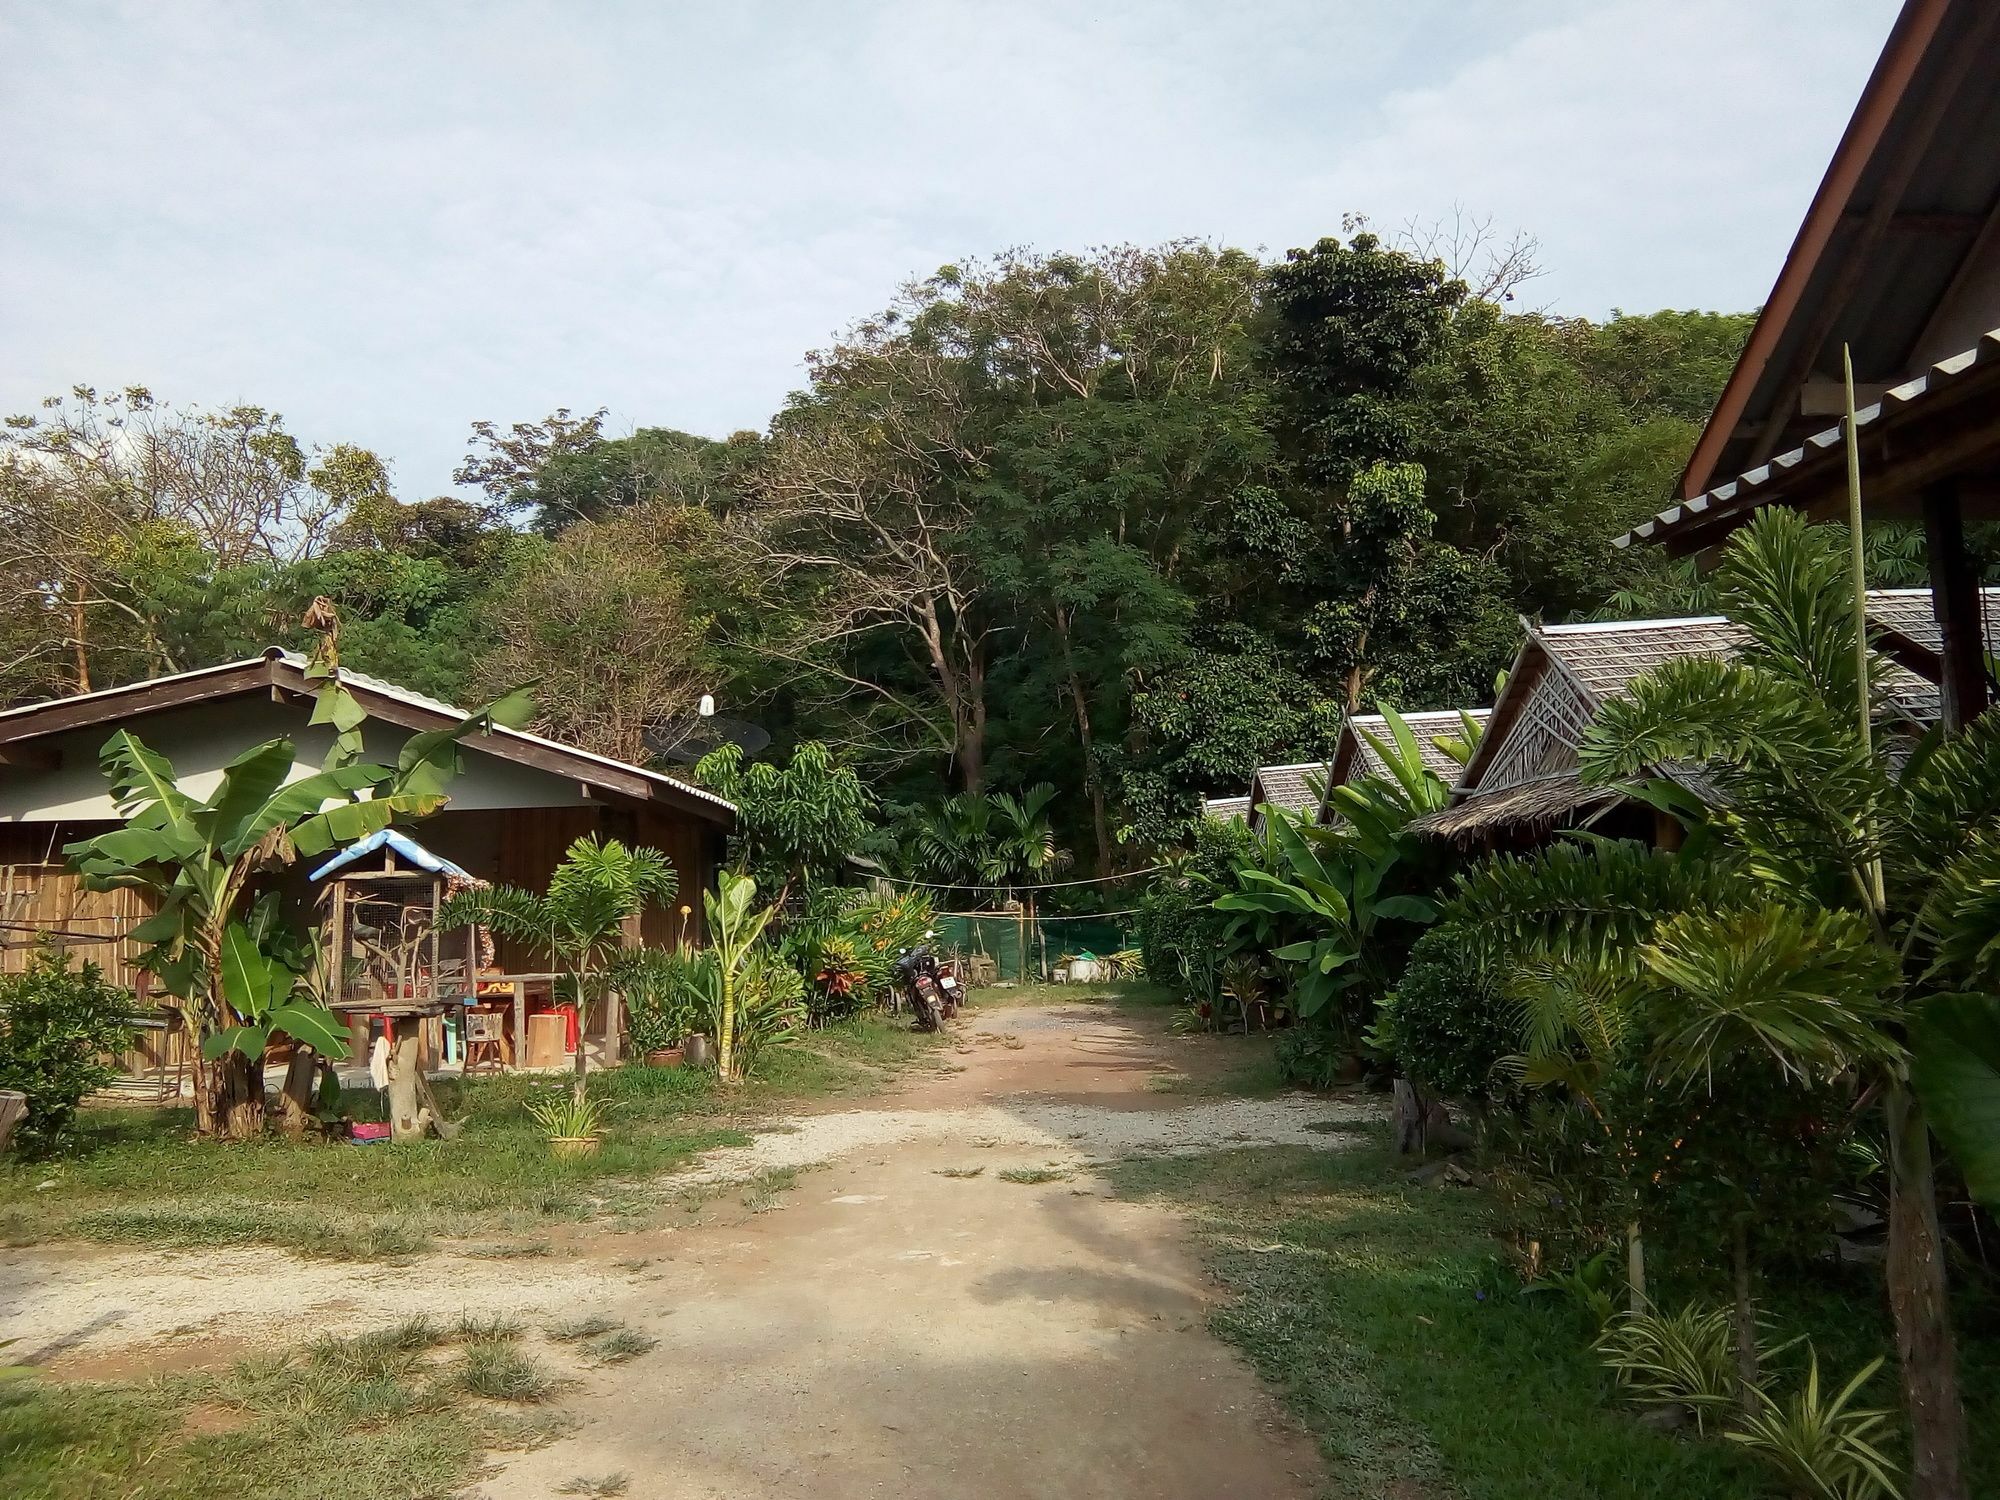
x,y
1956,601
520,1023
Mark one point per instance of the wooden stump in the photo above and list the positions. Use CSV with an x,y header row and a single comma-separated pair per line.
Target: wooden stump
x,y
13,1110
1406,1120
409,1120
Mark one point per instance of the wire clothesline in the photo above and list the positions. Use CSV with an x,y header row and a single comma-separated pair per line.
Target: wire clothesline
x,y
1005,916
1053,885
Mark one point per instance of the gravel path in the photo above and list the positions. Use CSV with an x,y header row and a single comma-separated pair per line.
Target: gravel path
x,y
1073,1135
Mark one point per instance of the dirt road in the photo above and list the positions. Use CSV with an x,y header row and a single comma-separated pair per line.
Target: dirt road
x,y
928,1298
898,1328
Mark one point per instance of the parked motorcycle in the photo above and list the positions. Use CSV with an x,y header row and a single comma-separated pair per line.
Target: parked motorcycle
x,y
919,981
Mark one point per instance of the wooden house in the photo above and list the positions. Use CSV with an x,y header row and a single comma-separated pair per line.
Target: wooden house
x,y
518,804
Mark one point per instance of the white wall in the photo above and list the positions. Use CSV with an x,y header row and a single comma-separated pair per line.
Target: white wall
x,y
203,738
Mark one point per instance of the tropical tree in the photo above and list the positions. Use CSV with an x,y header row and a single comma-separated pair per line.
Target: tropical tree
x,y
795,824
1333,898
1845,920
580,921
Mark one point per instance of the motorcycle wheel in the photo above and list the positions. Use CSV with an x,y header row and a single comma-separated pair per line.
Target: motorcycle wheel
x,y
921,1008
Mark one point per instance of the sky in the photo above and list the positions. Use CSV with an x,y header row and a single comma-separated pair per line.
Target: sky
x,y
387,221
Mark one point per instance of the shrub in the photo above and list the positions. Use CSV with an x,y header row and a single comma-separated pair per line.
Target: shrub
x,y
1449,1020
1820,1446
1685,1358
1311,1055
56,1026
1177,928
666,993
771,1006
880,928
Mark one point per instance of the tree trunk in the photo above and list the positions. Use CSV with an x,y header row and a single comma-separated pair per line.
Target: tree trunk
x,y
79,636
1099,825
409,1119
204,1093
1635,1267
236,1097
1746,1320
296,1114
972,753
1920,1303
1407,1119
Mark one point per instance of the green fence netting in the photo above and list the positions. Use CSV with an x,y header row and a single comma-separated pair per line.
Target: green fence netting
x,y
1018,946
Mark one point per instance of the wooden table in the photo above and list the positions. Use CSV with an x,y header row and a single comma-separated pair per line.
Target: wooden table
x,y
518,983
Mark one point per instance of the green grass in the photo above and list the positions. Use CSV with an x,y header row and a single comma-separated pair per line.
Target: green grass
x,y
137,1176
381,1417
1381,1312
1033,1176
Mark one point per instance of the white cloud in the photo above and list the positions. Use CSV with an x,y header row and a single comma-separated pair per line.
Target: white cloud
x,y
388,221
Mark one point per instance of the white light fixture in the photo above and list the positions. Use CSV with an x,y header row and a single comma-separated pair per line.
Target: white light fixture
x,y
706,708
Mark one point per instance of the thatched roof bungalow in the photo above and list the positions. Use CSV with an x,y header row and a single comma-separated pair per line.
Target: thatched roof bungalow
x,y
1226,809
1354,757
1523,777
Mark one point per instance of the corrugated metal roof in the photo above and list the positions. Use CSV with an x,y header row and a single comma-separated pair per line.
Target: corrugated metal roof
x,y
1740,496
436,705
149,686
1893,258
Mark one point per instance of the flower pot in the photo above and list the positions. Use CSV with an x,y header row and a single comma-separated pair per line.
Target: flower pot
x,y
666,1057
698,1052
574,1145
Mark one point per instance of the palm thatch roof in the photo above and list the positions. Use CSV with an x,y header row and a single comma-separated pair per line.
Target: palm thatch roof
x,y
1523,775
1354,757
1297,788
1223,809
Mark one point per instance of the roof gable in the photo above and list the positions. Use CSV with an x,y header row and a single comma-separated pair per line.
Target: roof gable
x,y
281,676
1898,256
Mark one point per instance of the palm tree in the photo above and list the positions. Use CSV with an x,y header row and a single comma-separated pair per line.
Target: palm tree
x,y
580,921
1838,914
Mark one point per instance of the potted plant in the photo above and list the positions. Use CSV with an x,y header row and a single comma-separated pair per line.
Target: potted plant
x,y
574,1122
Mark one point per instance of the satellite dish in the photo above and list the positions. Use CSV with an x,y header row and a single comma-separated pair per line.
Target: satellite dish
x,y
685,738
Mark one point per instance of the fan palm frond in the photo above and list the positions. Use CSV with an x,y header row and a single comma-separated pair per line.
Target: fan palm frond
x,y
1805,989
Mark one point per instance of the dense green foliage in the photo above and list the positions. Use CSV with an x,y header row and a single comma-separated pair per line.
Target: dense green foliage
x,y
1449,1021
58,1026
1125,523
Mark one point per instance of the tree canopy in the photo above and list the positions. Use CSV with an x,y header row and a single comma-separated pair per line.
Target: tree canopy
x,y
1125,522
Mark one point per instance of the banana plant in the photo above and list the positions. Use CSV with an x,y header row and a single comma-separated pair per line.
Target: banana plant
x,y
1328,896
734,926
